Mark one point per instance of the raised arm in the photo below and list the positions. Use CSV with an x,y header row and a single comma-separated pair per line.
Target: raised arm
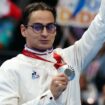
x,y
84,50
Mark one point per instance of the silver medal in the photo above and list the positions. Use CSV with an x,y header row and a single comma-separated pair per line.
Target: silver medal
x,y
68,70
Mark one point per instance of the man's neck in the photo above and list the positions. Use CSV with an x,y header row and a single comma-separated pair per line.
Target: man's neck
x,y
39,51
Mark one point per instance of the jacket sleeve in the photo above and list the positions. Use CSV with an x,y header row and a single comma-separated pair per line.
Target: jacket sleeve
x,y
93,39
46,99
9,92
84,50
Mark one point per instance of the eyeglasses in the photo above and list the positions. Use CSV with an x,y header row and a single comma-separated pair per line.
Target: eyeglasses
x,y
38,27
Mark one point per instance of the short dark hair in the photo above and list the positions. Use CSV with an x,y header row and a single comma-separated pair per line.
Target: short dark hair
x,y
34,7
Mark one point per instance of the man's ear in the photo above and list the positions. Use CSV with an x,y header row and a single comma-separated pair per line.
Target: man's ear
x,y
23,30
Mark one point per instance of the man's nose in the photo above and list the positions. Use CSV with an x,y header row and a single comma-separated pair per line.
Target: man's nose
x,y
44,32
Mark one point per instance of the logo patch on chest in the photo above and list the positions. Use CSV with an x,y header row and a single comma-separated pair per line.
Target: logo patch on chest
x,y
35,75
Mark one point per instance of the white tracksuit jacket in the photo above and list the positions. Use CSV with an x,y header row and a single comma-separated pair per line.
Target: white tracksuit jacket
x,y
19,87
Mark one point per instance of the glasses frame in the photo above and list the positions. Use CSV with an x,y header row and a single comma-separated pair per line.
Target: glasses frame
x,y
43,26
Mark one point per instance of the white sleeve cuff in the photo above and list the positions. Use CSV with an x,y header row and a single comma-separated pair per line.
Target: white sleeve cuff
x,y
48,99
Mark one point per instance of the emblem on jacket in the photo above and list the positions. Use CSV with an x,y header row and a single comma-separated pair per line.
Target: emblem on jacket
x,y
35,75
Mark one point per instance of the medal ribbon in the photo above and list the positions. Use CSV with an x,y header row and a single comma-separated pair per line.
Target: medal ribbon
x,y
57,57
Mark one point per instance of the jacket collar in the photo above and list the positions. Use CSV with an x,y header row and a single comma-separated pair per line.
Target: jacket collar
x,y
39,52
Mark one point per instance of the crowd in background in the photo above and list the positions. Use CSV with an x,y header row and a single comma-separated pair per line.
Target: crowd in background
x,y
92,80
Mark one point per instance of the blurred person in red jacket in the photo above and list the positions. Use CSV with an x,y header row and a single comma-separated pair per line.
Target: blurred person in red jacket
x,y
8,10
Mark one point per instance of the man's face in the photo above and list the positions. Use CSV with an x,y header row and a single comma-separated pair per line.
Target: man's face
x,y
41,40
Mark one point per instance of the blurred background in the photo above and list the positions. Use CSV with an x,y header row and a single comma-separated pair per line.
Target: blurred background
x,y
73,18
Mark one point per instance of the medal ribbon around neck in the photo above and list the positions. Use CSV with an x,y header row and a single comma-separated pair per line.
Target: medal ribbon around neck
x,y
56,56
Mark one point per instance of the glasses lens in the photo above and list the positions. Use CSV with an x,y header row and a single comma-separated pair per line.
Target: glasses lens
x,y
37,27
51,28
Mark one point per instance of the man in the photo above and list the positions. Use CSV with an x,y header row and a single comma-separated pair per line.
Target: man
x,y
33,77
